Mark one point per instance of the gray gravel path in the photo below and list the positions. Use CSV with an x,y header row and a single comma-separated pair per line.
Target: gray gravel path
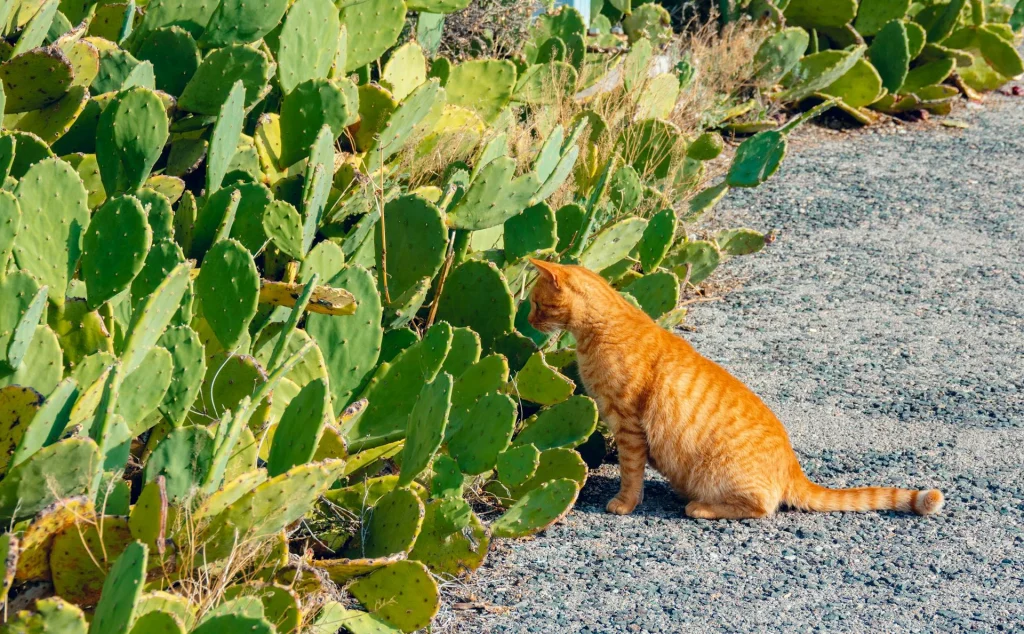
x,y
885,327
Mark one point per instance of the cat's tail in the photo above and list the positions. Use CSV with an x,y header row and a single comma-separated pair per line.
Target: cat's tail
x,y
808,496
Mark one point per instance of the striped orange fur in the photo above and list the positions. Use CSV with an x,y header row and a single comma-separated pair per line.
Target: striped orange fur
x,y
704,430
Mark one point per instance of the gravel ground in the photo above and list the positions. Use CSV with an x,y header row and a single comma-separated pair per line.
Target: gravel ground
x,y
884,327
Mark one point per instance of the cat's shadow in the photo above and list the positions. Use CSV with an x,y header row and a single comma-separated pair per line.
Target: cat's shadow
x,y
659,498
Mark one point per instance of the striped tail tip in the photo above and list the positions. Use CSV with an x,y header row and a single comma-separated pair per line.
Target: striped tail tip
x,y
928,502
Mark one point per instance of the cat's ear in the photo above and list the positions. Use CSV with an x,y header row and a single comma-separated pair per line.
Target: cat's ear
x,y
549,270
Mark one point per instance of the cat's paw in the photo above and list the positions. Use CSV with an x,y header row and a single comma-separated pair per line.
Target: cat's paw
x,y
618,506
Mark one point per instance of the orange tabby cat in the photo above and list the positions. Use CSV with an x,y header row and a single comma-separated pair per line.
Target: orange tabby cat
x,y
704,430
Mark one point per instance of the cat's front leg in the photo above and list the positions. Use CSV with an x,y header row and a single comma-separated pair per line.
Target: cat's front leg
x,y
632,446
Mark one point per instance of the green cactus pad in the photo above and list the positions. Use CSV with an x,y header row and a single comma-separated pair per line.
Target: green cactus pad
x,y
42,367
343,570
228,287
816,15
484,429
305,110
625,189
739,241
114,250
872,15
157,623
228,380
24,304
209,87
166,603
490,374
351,344
817,71
781,52
659,97
10,222
82,556
162,258
373,27
9,553
223,623
416,240
757,159
859,87
532,231
706,147
403,593
183,458
450,553
376,104
310,30
890,55
189,367
272,506
569,222
657,239
613,243
539,383
706,200
298,432
48,422
402,124
537,509
657,293
394,390
649,146
702,257
131,135
494,197
30,151
425,429
158,209
121,589
464,353
280,604
391,526
483,86
405,70
516,465
447,479
20,79
115,68
53,121
174,55
147,520
224,140
476,295
283,225
60,470
48,239
51,616
143,390
928,74
238,22
566,424
1000,54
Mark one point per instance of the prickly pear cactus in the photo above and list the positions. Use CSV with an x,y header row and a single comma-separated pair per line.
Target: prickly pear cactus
x,y
425,431
403,594
537,510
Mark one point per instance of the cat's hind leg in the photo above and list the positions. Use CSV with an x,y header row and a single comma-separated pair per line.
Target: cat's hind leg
x,y
736,508
632,446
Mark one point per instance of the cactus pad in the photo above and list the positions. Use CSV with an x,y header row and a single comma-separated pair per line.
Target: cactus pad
x,y
859,87
18,406
224,140
224,623
566,424
310,29
483,432
299,430
142,390
51,616
238,22
530,232
61,470
657,293
183,458
21,84
116,609
114,248
539,383
446,552
649,146
699,256
416,239
373,27
484,86
147,520
309,107
613,243
209,87
739,241
490,374
890,54
816,15
131,135
425,429
48,239
817,71
48,422
402,124
657,239
189,367
393,525
494,197
405,70
476,295
757,159
537,510
394,390
283,225
157,623
403,593
351,344
778,54
517,464
464,353
228,287
342,570
82,557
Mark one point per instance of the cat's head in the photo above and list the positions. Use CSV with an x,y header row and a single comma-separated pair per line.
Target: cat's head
x,y
566,297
